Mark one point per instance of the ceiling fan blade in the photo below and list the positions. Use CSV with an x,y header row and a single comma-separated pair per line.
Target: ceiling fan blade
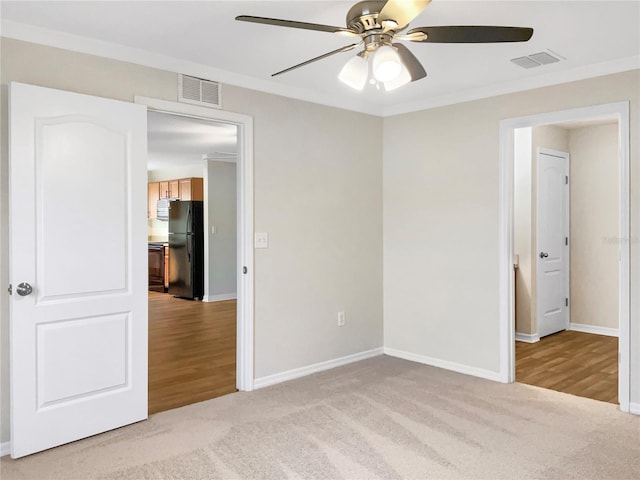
x,y
320,57
293,24
402,11
471,34
416,70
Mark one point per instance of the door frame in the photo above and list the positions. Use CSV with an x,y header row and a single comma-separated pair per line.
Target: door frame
x,y
244,206
567,225
620,110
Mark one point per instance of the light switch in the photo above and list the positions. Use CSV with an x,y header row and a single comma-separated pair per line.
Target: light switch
x,y
213,229
262,240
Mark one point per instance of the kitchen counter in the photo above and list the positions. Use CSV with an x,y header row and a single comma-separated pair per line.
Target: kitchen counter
x,y
157,239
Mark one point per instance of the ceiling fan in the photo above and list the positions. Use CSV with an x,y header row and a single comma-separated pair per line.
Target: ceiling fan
x,y
378,24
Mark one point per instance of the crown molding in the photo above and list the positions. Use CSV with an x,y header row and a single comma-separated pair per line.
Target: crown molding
x,y
530,83
76,43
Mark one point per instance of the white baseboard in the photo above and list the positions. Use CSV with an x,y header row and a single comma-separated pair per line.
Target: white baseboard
x,y
634,408
447,365
316,367
5,448
527,337
581,327
219,298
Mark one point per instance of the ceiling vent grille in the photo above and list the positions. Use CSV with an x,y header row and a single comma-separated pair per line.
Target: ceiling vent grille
x,y
199,91
544,58
535,60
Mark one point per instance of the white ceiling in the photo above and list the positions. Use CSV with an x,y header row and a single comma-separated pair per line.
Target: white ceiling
x,y
202,38
175,141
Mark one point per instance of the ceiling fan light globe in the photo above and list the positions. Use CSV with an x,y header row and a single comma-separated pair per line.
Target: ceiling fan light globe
x,y
402,79
355,73
386,64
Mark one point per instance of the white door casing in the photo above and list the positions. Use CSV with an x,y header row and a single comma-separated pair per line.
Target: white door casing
x,y
78,342
552,228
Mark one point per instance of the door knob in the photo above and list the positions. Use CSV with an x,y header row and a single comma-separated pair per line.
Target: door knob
x,y
24,289
543,255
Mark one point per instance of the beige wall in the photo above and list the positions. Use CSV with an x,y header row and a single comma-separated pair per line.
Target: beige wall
x,y
522,197
221,201
317,193
441,205
594,225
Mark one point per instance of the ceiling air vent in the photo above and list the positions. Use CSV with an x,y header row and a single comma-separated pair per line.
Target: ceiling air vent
x,y
199,91
544,58
525,62
535,60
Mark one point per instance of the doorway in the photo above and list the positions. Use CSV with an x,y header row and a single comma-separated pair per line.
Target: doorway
x,y
508,302
192,175
567,304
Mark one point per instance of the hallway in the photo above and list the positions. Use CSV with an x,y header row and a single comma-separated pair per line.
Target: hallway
x,y
192,351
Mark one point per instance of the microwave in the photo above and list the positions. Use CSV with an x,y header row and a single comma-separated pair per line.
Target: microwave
x,y
162,208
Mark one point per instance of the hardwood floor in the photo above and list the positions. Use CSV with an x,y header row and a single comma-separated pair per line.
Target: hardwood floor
x,y
579,363
192,351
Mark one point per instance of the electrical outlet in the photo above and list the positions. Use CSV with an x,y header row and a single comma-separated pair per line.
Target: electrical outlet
x,y
341,319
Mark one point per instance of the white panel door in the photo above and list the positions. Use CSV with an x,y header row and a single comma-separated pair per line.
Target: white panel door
x,y
553,250
78,242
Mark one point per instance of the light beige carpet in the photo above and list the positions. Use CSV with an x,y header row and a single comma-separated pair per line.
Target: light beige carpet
x,y
379,418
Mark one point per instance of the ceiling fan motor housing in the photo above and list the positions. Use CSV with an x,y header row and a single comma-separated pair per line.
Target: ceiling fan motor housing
x,y
363,16
374,41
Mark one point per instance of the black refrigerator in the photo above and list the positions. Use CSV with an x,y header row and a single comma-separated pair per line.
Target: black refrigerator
x,y
186,249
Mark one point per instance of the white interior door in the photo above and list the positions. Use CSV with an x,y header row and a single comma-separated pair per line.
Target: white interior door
x,y
78,239
553,246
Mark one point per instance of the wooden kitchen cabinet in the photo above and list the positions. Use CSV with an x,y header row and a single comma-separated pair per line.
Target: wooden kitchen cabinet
x,y
174,189
191,189
153,190
169,189
182,189
164,189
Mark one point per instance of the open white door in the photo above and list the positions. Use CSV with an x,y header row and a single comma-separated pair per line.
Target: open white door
x,y
553,242
77,265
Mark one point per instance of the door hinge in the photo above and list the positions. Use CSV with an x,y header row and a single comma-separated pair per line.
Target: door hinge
x,y
566,241
566,179
10,289
566,302
244,270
